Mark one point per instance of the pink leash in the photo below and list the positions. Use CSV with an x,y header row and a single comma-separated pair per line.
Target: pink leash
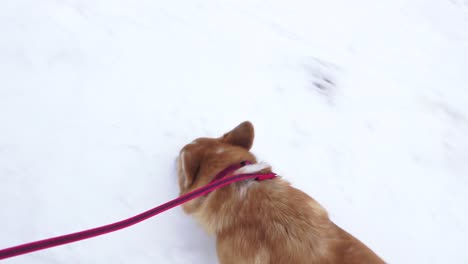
x,y
218,182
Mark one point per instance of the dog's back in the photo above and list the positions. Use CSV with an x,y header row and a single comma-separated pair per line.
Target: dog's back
x,y
272,222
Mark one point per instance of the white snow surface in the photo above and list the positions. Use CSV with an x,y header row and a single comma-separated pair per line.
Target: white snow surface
x,y
362,104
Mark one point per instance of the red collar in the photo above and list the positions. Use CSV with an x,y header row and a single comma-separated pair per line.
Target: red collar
x,y
232,168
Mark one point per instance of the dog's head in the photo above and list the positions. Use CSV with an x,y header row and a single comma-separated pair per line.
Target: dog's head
x,y
203,158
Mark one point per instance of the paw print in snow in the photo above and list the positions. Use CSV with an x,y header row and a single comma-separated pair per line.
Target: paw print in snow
x,y
322,78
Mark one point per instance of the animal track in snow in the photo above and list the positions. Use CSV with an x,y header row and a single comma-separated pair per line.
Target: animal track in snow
x,y
322,77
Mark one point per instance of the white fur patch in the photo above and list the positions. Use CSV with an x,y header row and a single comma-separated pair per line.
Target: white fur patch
x,y
256,167
251,168
220,150
243,188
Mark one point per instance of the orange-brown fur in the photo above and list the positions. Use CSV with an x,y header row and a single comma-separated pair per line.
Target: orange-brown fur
x,y
261,222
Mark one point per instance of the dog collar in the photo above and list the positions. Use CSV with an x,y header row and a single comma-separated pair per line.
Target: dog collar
x,y
232,168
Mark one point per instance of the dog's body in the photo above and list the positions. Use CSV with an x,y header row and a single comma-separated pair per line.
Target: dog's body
x,y
261,222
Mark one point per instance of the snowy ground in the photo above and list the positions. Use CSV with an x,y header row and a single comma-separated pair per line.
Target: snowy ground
x,y
362,104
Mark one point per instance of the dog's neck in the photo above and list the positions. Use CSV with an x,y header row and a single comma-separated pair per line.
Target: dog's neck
x,y
216,220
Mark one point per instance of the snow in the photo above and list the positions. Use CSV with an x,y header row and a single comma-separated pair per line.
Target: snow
x,y
362,104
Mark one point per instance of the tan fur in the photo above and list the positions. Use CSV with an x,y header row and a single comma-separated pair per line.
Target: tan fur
x,y
261,222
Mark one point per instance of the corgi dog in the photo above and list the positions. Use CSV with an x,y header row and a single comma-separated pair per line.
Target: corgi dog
x,y
260,222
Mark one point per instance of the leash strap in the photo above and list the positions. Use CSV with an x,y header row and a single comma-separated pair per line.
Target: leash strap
x,y
94,232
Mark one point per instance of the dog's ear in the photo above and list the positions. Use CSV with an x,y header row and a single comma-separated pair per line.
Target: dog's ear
x,y
189,166
242,135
